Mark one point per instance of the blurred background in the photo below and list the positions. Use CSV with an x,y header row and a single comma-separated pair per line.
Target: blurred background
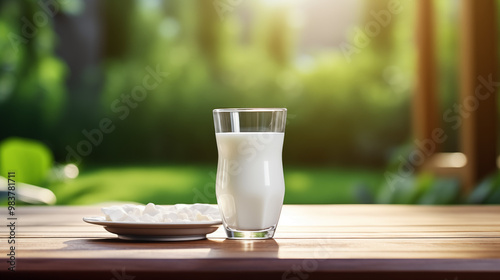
x,y
112,100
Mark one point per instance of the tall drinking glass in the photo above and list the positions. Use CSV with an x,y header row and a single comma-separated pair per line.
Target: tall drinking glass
x,y
250,186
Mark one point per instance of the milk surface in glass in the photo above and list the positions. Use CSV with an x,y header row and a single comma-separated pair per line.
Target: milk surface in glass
x,y
250,186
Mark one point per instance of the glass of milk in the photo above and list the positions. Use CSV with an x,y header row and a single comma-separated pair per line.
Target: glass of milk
x,y
250,186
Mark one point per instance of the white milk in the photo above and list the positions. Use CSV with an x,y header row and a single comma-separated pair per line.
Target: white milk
x,y
250,186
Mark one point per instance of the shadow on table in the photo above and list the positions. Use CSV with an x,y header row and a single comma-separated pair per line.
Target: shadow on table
x,y
217,247
119,244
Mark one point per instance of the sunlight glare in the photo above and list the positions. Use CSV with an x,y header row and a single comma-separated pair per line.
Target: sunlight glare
x,y
71,171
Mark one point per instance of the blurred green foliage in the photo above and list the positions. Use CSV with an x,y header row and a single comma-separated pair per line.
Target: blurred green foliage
x,y
430,190
487,192
32,78
341,111
421,189
30,160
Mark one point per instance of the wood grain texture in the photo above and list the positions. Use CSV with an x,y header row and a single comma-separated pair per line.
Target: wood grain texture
x,y
318,241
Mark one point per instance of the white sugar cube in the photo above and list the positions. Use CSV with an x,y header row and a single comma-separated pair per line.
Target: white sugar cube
x,y
151,213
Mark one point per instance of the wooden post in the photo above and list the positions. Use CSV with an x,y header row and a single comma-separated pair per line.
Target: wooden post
x,y
478,98
425,102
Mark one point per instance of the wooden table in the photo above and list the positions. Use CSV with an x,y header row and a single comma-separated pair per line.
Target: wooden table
x,y
312,242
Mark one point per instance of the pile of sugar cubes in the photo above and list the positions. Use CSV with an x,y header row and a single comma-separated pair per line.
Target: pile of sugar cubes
x,y
151,213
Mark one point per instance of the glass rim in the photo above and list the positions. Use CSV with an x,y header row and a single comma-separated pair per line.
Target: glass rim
x,y
225,110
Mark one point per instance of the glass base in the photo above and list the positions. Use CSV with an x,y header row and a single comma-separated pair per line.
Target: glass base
x,y
250,234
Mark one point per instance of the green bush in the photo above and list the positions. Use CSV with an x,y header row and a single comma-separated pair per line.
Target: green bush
x,y
30,160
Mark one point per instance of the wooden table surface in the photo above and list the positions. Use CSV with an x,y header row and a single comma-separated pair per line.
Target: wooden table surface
x,y
312,242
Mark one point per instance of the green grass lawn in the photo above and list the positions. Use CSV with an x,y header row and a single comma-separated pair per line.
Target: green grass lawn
x,y
170,184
